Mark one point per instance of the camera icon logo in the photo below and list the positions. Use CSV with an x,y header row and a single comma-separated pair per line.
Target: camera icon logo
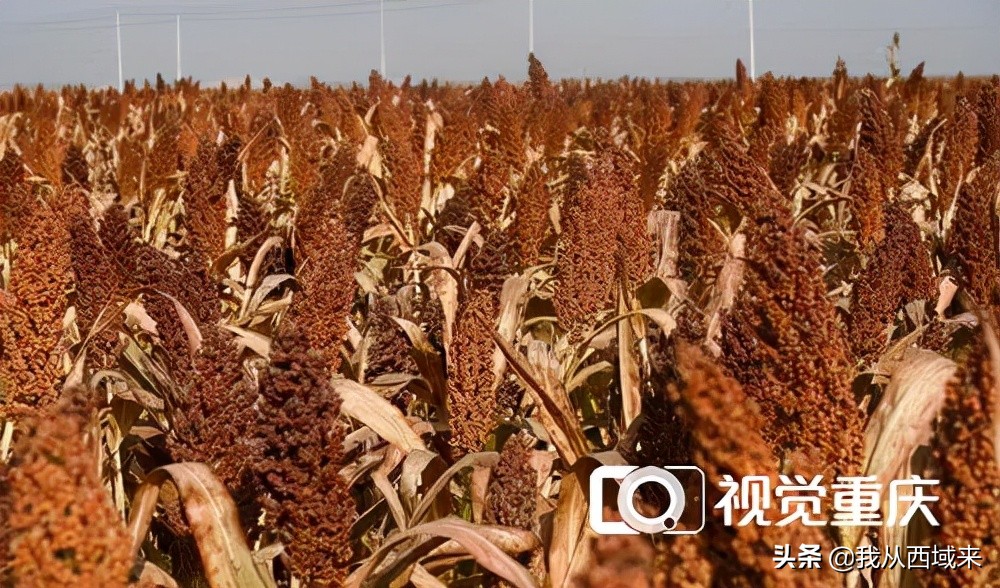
x,y
685,496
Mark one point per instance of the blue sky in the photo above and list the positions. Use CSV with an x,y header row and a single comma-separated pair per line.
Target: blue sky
x,y
73,41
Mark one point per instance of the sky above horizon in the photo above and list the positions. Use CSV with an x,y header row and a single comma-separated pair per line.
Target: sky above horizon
x,y
57,42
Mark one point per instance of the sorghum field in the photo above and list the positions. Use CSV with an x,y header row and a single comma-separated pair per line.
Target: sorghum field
x,y
380,336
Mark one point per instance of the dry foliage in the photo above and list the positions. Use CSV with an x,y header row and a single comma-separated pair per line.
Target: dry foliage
x,y
381,335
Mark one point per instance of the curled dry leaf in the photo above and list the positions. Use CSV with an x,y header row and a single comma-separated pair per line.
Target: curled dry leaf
x,y
472,235
664,226
428,361
510,540
478,484
904,417
724,291
445,287
365,405
369,157
258,342
483,459
556,413
475,540
569,553
380,477
418,467
152,576
256,297
210,511
947,288
902,422
515,288
628,367
135,315
259,258
190,325
421,578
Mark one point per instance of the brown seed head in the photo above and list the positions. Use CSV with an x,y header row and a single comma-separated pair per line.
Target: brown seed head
x,y
64,530
973,237
512,494
327,278
205,201
968,509
899,271
725,441
988,114
783,344
961,141
299,428
603,229
215,419
472,402
33,307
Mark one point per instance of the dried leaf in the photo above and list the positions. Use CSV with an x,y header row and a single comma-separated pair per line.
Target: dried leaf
x,y
380,477
154,576
428,360
904,418
485,459
419,468
421,578
902,422
628,368
135,316
947,288
478,483
515,288
471,538
556,413
365,405
664,225
511,540
210,510
663,319
259,258
191,329
569,551
267,285
258,342
580,377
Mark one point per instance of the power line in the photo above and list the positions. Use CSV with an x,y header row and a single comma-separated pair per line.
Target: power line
x,y
348,13
192,13
49,22
226,16
198,12
223,15
123,25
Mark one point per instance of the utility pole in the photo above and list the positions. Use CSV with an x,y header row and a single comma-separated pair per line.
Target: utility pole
x,y
531,26
178,47
118,31
753,71
381,35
